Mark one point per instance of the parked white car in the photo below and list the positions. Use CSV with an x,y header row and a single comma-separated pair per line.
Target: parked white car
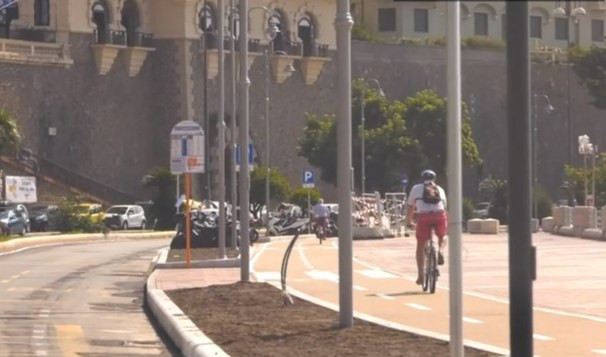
x,y
125,217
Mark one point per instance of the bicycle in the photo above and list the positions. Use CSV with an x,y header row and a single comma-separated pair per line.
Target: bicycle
x,y
319,230
430,266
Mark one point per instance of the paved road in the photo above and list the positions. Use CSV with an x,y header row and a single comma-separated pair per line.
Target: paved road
x,y
570,312
78,300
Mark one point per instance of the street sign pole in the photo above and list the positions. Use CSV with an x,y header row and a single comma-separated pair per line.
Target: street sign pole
x,y
187,222
309,210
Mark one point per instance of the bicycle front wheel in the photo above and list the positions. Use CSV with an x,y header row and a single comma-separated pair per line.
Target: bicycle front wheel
x,y
432,272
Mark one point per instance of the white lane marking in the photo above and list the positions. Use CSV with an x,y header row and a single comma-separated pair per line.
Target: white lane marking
x,y
16,276
117,331
25,272
4,281
472,321
387,297
11,289
600,352
38,337
269,275
377,274
359,288
323,275
542,337
39,332
419,307
304,259
41,353
44,313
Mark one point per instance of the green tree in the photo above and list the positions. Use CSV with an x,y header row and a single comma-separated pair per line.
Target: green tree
x,y
577,177
10,136
279,188
590,66
400,138
299,197
163,208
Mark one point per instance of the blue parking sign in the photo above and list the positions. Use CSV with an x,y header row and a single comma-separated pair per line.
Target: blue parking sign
x,y
308,179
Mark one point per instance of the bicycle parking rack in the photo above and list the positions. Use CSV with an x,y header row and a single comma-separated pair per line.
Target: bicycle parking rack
x,y
285,295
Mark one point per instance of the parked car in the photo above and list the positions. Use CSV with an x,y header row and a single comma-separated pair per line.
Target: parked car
x,y
125,217
19,208
92,210
482,209
40,217
12,221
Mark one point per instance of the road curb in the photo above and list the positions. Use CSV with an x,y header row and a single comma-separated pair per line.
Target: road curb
x,y
214,263
190,340
19,244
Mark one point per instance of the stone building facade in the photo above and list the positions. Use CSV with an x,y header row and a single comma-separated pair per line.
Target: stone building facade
x,y
98,89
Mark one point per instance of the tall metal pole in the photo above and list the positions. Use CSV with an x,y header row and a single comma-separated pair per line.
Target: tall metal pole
x,y
535,157
569,118
363,154
221,123
455,180
232,166
206,118
343,25
267,193
244,174
521,252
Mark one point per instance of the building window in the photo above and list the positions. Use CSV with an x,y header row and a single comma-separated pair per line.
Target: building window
x,y
306,32
536,25
421,20
41,13
387,20
101,19
561,28
480,24
597,30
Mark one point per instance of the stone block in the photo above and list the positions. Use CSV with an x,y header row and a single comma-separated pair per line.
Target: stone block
x,y
534,225
561,215
474,225
547,224
592,233
566,231
490,226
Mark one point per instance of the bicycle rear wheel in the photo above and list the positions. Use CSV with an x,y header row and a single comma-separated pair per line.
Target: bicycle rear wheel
x,y
430,271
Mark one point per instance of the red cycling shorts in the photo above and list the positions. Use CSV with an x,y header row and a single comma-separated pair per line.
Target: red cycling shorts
x,y
429,220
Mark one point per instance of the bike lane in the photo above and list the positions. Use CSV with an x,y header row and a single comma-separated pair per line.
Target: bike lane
x,y
313,270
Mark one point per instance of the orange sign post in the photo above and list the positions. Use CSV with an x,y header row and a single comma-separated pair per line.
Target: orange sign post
x,y
187,222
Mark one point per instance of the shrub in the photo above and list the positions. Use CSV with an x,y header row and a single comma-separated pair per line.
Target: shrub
x,y
467,209
66,218
483,42
360,33
544,202
299,197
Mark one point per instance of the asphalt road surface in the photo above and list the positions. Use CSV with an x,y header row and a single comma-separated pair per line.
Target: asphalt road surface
x,y
78,300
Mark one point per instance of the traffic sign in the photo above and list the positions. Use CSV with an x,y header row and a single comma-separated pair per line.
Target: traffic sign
x,y
308,179
251,157
404,181
187,148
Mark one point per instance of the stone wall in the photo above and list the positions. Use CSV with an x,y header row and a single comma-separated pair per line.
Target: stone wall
x,y
114,128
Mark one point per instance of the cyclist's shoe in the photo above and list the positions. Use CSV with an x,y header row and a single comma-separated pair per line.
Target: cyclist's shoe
x,y
437,273
440,259
419,281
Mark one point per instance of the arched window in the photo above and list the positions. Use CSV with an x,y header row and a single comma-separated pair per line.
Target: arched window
x,y
41,13
307,34
279,42
208,25
7,15
100,17
130,21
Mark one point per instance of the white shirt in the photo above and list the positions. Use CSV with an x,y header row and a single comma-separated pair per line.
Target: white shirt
x,y
320,210
416,198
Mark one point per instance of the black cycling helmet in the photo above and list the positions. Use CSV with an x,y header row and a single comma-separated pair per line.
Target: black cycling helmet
x,y
428,175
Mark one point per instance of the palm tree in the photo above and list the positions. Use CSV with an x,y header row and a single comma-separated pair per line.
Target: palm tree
x,y
163,209
10,136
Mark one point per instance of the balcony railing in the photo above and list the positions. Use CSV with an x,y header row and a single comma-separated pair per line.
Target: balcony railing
x,y
39,50
38,35
315,50
141,39
109,37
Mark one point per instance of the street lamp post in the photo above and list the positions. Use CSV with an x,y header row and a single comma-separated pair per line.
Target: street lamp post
x,y
343,24
232,166
221,123
363,127
570,14
535,148
267,193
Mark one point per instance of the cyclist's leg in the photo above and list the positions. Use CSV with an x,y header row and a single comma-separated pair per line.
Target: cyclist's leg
x,y
441,228
423,233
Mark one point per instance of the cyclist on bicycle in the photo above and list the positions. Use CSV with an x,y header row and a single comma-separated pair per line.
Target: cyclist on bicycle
x,y
321,214
429,200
